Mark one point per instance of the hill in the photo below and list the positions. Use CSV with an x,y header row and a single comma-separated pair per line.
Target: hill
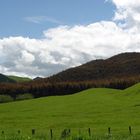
x,y
120,66
5,79
118,72
19,79
97,108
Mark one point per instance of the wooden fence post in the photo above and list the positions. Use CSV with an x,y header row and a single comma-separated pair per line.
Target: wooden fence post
x,y
109,130
33,131
18,131
89,132
51,133
130,130
2,132
69,131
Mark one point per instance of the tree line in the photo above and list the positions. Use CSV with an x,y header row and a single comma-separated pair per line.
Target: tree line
x,y
41,88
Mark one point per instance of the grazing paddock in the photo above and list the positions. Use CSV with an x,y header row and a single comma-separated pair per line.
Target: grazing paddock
x,y
104,111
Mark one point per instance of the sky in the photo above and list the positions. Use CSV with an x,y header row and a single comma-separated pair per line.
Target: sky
x,y
44,37
29,18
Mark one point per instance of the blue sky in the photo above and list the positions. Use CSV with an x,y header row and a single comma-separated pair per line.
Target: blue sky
x,y
16,15
44,37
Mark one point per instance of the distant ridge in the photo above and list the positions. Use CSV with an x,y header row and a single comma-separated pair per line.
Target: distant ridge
x,y
5,79
118,66
19,79
37,78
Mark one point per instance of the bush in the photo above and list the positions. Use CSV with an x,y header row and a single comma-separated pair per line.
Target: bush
x,y
5,98
24,96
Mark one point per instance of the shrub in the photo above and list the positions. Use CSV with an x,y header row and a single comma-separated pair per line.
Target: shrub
x,y
5,98
24,96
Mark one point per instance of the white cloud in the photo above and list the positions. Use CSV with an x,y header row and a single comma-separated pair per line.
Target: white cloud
x,y
40,19
66,46
129,12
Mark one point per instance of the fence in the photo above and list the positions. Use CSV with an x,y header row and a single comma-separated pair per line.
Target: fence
x,y
67,132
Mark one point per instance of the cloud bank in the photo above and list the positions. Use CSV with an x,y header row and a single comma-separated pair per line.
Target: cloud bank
x,y
66,46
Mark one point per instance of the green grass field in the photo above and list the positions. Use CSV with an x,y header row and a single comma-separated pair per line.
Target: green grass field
x,y
95,108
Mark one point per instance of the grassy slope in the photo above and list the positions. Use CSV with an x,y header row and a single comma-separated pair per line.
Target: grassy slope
x,y
19,79
95,108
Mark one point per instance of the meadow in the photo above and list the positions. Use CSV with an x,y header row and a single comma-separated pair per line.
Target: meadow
x,y
97,109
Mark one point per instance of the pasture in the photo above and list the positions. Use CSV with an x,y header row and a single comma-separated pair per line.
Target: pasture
x,y
98,109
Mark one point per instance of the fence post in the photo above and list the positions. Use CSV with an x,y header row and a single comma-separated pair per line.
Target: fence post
x,y
51,133
109,130
89,132
18,131
130,130
69,131
33,131
2,132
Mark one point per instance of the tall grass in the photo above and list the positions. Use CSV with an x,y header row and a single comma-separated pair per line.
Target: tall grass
x,y
76,137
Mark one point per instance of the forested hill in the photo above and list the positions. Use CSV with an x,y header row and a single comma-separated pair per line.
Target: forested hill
x,y
120,66
5,79
119,72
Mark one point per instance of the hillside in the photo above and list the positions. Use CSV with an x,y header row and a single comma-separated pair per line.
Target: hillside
x,y
97,108
20,79
120,66
5,79
118,72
